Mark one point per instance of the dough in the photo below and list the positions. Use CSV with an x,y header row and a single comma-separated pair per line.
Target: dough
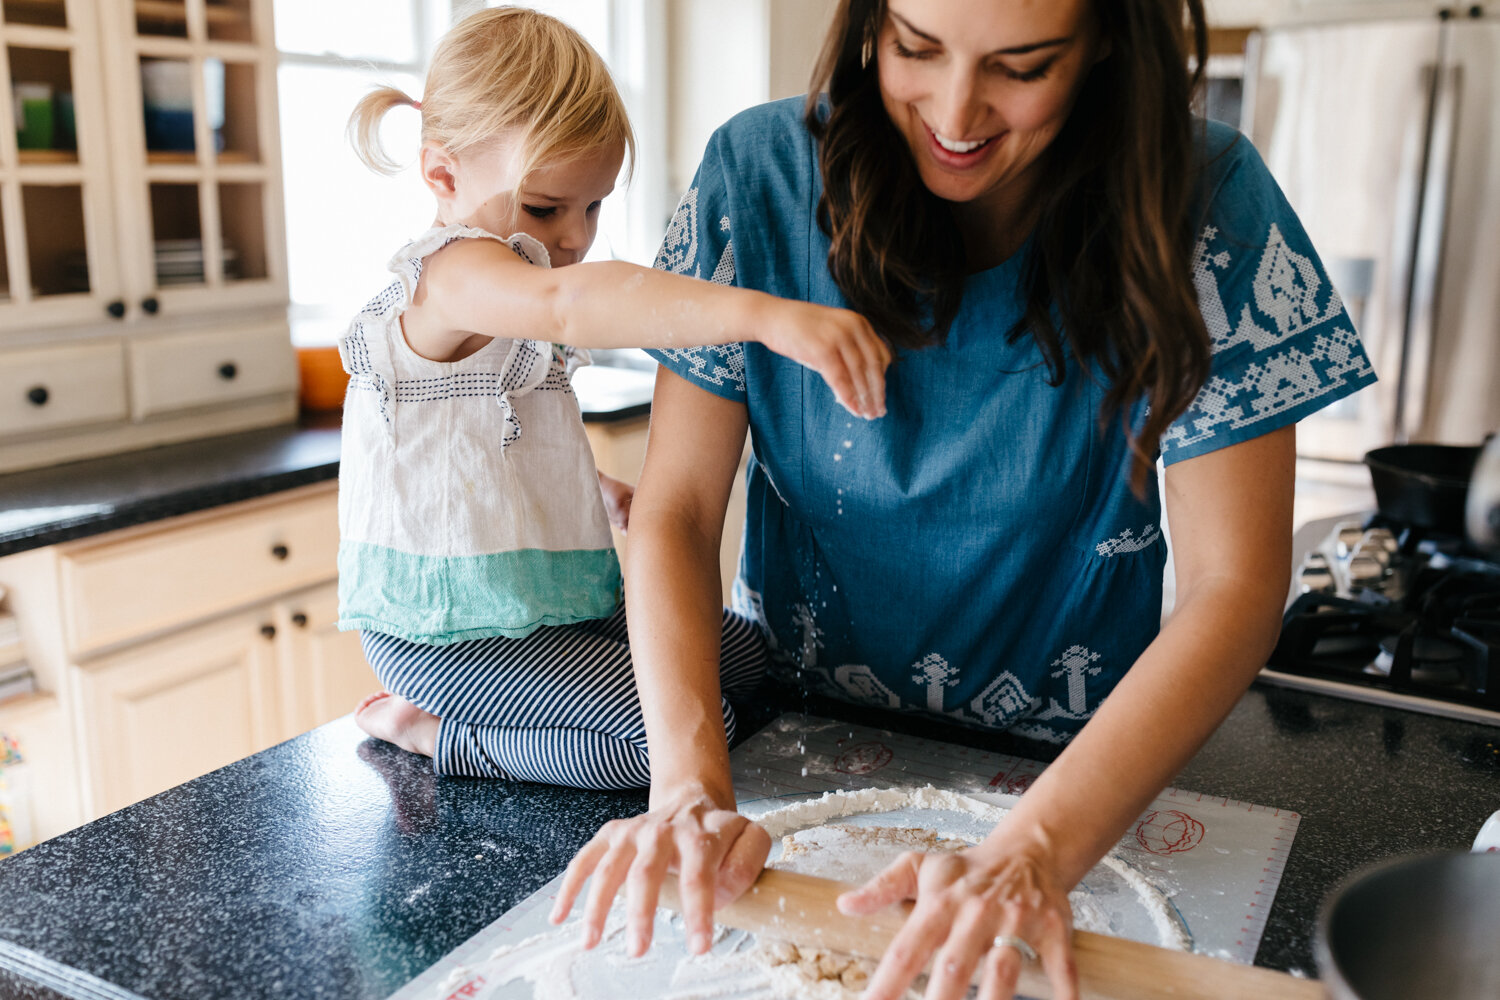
x,y
849,854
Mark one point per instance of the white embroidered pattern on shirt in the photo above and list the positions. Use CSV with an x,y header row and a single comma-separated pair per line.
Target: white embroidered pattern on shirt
x,y
722,364
1076,665
936,673
1285,291
1126,542
1003,699
679,245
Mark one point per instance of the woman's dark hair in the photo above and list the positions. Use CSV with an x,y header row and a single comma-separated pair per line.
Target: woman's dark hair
x,y
1115,226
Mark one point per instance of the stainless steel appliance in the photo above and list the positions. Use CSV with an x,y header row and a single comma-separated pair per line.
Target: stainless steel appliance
x,y
1385,136
1386,613
1419,927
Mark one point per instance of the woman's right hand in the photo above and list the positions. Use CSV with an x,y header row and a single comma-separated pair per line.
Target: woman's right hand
x,y
715,852
838,344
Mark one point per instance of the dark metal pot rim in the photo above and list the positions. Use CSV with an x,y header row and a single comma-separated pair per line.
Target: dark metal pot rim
x,y
1382,459
1328,969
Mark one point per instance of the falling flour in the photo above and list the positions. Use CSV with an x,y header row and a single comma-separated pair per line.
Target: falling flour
x,y
742,967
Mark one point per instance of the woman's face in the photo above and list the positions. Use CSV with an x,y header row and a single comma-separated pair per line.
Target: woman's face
x,y
979,88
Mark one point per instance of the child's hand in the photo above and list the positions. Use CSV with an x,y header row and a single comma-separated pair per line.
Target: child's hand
x,y
838,344
617,497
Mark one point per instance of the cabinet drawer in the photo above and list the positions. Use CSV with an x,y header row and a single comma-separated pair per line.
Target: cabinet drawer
x,y
52,387
180,372
118,591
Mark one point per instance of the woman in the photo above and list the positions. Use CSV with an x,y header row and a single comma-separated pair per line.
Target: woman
x,y
1079,276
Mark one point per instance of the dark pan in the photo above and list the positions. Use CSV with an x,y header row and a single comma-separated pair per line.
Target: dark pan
x,y
1423,485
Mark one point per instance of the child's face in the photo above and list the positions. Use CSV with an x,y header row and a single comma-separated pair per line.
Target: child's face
x,y
559,203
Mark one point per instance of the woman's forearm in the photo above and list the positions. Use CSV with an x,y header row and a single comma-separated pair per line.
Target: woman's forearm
x,y
1164,709
672,578
675,616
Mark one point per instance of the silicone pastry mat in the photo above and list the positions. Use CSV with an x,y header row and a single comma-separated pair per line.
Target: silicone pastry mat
x,y
1218,861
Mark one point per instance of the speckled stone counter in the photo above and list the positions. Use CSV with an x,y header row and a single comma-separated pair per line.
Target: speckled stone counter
x,y
332,866
58,504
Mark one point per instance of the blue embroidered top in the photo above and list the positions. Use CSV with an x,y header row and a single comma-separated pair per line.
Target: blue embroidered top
x,y
978,553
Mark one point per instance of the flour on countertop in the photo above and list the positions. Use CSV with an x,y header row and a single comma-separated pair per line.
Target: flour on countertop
x,y
813,844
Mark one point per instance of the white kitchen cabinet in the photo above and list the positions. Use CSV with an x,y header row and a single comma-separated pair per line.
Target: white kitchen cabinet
x,y
147,215
163,712
323,672
168,650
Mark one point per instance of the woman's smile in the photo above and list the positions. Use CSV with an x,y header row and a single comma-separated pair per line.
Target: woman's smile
x,y
960,154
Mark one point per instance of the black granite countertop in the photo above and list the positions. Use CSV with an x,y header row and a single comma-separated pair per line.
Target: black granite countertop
x,y
334,866
46,506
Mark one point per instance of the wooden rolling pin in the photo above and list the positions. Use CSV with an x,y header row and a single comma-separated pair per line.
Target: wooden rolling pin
x,y
800,909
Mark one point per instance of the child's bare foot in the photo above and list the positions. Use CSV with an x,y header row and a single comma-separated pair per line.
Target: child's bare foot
x,y
392,718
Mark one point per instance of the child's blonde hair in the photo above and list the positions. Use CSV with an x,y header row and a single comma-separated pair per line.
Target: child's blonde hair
x,y
507,69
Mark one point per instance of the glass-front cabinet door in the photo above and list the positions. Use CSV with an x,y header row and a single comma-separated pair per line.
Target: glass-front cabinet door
x,y
199,183
59,259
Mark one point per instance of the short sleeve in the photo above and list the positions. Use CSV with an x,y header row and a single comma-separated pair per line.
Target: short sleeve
x,y
1283,346
698,243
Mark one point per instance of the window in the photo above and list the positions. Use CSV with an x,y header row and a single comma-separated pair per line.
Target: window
x,y
343,220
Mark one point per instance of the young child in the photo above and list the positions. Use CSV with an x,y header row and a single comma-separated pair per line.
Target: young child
x,y
475,553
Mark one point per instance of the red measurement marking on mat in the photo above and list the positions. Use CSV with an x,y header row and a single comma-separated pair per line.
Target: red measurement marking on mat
x,y
468,989
1018,784
1168,832
863,758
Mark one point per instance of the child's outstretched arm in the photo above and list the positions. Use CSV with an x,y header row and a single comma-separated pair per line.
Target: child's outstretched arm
x,y
481,288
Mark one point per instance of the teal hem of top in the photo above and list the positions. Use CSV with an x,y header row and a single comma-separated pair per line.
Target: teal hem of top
x,y
441,600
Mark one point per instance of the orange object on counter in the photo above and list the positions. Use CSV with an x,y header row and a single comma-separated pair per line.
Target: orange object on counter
x,y
323,378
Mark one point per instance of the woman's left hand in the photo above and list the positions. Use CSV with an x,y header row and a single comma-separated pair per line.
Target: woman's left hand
x,y
964,901
617,497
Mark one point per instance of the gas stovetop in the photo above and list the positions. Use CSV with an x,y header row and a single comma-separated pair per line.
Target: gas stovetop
x,y
1385,614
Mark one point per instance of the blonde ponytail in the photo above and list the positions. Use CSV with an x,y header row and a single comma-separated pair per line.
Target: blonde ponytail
x,y
363,129
507,70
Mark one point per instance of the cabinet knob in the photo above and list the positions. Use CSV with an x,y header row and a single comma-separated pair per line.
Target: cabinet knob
x,y
116,309
150,305
280,551
299,620
228,370
269,631
38,395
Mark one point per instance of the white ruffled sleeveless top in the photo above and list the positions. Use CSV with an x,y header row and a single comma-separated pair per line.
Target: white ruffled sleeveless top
x,y
469,504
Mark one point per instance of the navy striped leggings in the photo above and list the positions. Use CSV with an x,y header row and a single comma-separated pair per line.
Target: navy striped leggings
x,y
558,706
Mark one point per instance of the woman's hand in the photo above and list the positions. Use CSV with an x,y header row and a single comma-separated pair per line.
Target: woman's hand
x,y
838,344
963,902
617,497
716,853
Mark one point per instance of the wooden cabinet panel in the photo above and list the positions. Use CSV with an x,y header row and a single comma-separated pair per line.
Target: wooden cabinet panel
x,y
55,387
118,591
323,671
167,711
620,451
206,369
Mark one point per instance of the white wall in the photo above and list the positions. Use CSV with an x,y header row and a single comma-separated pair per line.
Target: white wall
x,y
725,57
